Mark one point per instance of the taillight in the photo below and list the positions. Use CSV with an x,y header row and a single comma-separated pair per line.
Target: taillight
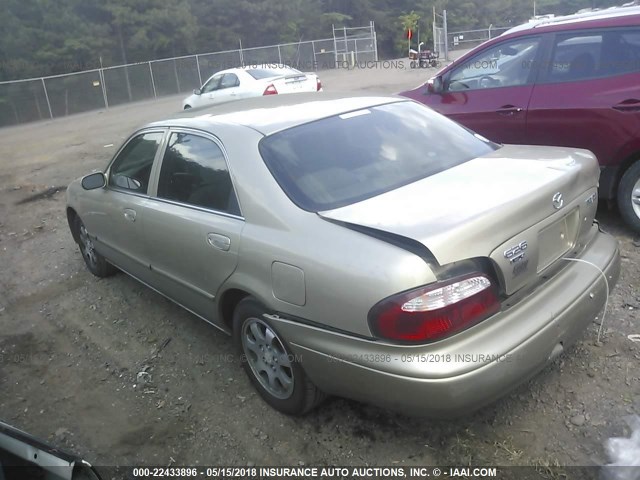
x,y
318,84
435,311
270,90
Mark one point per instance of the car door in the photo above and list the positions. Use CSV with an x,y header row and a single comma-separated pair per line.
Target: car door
x,y
208,90
589,93
222,88
490,92
115,214
193,223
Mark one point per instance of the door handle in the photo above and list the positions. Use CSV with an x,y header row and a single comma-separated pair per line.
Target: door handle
x,y
509,110
629,105
218,241
130,214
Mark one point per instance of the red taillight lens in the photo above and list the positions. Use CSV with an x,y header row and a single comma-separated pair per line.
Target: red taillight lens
x,y
436,311
318,84
270,90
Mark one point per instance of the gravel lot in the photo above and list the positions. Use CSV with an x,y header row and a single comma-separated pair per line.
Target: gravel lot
x,y
72,346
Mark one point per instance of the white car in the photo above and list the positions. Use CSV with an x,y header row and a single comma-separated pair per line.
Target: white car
x,y
253,81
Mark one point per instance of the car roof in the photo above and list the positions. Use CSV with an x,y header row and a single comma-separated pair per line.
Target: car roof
x,y
273,113
247,68
612,13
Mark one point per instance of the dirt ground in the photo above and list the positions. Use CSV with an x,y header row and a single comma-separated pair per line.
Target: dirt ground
x,y
72,347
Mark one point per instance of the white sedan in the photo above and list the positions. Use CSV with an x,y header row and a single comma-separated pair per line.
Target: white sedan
x,y
254,81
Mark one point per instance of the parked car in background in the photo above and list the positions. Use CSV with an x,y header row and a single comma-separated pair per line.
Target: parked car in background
x,y
568,81
253,81
366,247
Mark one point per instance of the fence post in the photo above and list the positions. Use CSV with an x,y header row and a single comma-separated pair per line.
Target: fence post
x,y
446,36
315,60
153,83
104,87
335,48
198,65
279,56
175,72
46,95
375,40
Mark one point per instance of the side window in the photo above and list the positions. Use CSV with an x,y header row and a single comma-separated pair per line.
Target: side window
x,y
194,172
576,56
595,54
505,65
132,168
621,51
229,80
212,84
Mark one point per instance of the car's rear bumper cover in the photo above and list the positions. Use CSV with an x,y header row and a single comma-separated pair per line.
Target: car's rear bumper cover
x,y
451,378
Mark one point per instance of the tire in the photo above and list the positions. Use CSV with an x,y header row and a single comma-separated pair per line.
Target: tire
x,y
413,64
268,362
187,107
95,262
629,196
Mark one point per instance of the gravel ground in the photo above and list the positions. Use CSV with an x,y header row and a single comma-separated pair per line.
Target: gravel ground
x,y
120,375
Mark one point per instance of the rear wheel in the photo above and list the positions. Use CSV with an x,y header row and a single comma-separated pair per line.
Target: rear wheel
x,y
95,262
187,107
629,196
267,360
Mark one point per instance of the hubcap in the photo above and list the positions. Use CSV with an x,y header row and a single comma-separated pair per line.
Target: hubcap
x,y
86,245
267,357
635,198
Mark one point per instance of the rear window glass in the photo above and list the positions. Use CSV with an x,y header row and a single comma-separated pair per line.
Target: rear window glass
x,y
260,73
347,158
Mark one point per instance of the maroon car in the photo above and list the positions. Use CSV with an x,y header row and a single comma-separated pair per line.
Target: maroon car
x,y
569,81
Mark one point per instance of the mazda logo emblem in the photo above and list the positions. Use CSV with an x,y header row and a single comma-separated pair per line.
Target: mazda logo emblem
x,y
558,201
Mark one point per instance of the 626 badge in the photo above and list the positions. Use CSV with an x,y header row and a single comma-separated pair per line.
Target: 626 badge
x,y
516,253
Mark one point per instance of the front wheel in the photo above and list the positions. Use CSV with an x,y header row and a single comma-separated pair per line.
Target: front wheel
x,y
629,196
187,107
95,262
272,368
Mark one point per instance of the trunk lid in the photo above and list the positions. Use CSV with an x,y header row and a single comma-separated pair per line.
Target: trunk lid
x,y
523,207
293,83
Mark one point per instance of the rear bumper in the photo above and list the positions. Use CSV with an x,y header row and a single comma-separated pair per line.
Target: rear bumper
x,y
471,369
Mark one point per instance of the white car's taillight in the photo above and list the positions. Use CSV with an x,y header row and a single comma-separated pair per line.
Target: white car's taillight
x,y
270,90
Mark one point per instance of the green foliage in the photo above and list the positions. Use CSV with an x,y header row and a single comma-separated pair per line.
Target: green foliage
x,y
43,37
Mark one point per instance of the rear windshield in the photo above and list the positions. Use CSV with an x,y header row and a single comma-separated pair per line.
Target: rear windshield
x,y
260,73
347,158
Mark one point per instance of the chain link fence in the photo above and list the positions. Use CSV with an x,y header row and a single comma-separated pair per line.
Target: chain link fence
x,y
29,100
470,38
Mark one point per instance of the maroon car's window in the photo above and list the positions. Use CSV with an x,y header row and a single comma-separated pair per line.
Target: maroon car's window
x,y
132,167
347,158
507,64
594,54
194,172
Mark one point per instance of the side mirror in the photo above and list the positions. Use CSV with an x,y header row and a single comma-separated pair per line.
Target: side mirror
x,y
435,85
197,91
94,181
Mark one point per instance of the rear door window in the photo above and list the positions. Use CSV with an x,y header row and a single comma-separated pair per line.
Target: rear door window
x,y
194,172
229,80
593,54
